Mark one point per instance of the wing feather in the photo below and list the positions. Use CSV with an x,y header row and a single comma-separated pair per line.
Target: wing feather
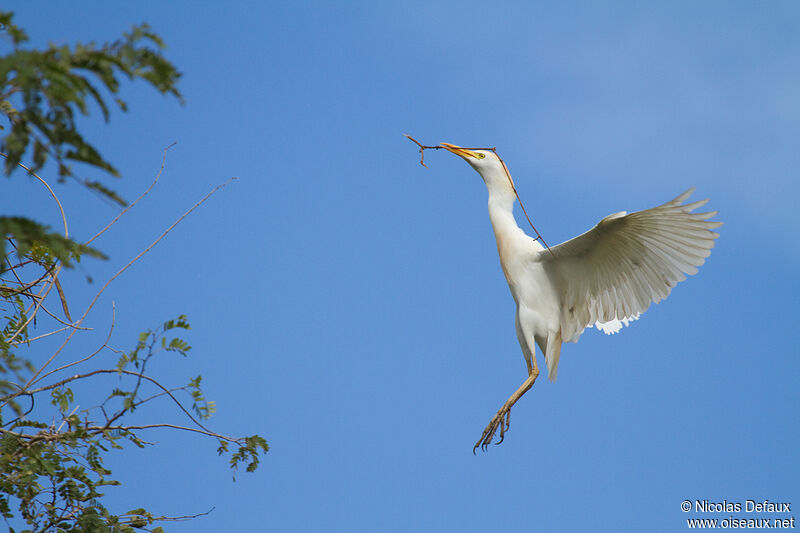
x,y
611,274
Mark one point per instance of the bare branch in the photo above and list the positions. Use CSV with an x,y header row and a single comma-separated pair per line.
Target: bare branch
x,y
158,395
176,518
205,432
52,193
104,345
119,272
145,193
59,330
66,324
421,149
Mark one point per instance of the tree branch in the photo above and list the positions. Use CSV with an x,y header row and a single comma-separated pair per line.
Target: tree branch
x,y
145,193
119,371
34,379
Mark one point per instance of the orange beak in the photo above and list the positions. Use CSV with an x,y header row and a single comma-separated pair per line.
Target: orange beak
x,y
461,152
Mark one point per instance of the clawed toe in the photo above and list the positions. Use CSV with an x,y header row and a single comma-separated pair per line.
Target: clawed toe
x,y
502,421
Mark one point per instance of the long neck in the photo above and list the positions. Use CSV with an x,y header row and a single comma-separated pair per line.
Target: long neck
x,y
510,238
501,213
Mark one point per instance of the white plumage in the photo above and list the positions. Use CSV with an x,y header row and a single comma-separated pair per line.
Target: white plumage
x,y
606,277
616,269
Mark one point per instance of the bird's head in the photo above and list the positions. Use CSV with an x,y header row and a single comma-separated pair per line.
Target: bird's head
x,y
487,164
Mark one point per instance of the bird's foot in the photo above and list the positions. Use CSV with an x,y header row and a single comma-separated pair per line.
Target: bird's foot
x,y
501,421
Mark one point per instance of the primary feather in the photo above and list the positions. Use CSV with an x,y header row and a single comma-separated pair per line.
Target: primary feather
x,y
614,271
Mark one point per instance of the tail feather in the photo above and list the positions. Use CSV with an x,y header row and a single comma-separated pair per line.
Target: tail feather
x,y
552,354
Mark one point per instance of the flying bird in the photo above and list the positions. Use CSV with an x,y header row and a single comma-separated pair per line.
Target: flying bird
x,y
605,277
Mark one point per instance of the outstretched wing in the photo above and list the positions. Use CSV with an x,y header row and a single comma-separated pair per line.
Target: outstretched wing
x,y
614,271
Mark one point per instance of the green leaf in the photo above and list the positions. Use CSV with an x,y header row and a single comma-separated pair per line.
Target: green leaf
x,y
50,87
105,191
28,234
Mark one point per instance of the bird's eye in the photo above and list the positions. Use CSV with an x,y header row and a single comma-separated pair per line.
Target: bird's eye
x,y
481,156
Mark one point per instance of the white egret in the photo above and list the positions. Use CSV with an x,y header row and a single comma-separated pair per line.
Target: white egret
x,y
605,277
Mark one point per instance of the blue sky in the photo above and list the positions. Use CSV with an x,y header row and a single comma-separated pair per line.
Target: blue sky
x,y
348,303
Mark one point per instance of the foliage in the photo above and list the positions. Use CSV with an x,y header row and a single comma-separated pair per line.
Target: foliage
x,y
41,94
28,236
53,85
52,447
56,433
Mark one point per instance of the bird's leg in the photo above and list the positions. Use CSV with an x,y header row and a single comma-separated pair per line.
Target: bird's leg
x,y
502,419
529,362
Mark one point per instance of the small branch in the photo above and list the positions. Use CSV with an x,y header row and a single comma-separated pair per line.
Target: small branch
x,y
145,193
64,418
177,518
421,149
158,395
24,286
205,432
52,193
57,319
23,415
22,262
54,434
104,345
59,330
119,272
116,371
